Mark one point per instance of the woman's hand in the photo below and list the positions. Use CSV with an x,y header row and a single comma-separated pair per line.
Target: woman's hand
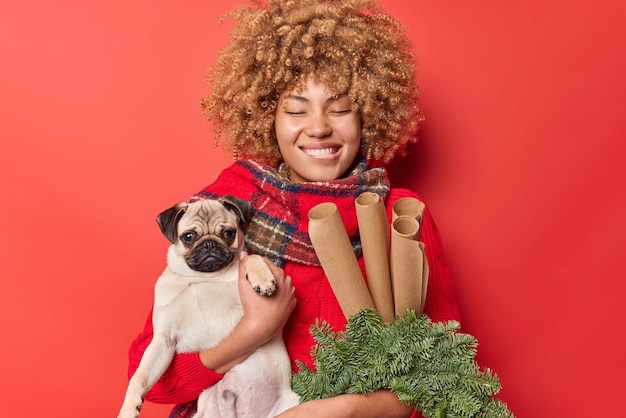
x,y
263,317
380,404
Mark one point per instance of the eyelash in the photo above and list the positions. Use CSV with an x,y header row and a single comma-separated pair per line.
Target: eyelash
x,y
336,112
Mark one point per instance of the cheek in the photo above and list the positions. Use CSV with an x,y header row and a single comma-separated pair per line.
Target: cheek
x,y
351,131
352,137
285,132
283,144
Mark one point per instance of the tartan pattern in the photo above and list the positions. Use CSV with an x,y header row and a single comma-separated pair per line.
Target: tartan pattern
x,y
279,227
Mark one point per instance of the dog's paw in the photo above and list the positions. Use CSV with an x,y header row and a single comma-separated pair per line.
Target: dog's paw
x,y
131,406
129,411
259,275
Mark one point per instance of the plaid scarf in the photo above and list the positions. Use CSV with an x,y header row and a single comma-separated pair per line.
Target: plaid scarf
x,y
279,227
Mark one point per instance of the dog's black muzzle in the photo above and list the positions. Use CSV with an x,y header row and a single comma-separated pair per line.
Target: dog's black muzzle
x,y
209,256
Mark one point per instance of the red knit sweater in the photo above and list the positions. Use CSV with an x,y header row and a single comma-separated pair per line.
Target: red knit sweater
x,y
187,377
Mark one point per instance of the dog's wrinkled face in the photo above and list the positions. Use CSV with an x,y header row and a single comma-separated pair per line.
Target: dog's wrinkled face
x,y
207,234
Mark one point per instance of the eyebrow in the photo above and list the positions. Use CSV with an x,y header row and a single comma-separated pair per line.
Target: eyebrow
x,y
331,99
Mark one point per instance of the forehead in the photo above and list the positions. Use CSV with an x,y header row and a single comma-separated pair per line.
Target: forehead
x,y
207,213
311,88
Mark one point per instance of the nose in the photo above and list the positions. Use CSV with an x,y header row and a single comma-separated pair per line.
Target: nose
x,y
318,126
209,245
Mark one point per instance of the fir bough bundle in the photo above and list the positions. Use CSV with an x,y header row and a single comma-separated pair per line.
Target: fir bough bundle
x,y
428,365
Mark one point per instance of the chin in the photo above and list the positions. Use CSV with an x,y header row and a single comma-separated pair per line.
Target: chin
x,y
320,176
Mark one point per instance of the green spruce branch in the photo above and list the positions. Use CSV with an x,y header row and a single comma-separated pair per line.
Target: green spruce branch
x,y
426,364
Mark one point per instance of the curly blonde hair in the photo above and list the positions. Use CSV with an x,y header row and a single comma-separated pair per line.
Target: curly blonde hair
x,y
351,46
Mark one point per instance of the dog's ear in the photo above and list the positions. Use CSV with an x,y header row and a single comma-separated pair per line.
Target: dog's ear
x,y
242,208
168,220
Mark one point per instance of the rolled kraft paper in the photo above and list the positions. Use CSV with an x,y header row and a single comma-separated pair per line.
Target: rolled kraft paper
x,y
332,246
375,240
424,275
407,266
408,206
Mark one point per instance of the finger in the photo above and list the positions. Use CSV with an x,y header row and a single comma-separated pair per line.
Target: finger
x,y
242,264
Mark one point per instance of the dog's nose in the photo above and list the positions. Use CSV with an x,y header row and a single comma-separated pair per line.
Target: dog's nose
x,y
209,245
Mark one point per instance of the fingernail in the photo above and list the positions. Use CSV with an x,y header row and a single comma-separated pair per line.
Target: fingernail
x,y
242,254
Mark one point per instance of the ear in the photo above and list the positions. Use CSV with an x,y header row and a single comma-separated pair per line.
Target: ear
x,y
168,221
242,208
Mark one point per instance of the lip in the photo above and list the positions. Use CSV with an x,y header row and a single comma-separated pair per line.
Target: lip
x,y
322,151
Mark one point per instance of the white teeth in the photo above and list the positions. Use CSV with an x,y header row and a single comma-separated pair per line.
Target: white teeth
x,y
319,152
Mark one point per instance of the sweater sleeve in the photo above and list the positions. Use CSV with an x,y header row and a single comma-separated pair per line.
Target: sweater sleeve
x,y
183,381
441,304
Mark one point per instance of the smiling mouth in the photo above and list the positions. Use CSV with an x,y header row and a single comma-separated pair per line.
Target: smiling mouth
x,y
320,152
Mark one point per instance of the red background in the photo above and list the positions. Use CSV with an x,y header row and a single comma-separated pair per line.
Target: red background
x,y
520,160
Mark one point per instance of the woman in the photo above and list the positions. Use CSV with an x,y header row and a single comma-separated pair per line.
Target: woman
x,y
313,98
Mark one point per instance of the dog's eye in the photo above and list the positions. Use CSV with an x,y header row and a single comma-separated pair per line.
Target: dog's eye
x,y
229,235
189,237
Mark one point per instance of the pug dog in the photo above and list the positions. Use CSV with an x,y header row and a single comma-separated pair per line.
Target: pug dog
x,y
196,305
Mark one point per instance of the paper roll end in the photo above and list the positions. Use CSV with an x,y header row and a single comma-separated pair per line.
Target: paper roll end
x,y
409,206
406,227
367,199
322,211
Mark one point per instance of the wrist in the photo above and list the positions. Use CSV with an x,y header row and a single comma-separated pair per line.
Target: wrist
x,y
256,330
248,335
